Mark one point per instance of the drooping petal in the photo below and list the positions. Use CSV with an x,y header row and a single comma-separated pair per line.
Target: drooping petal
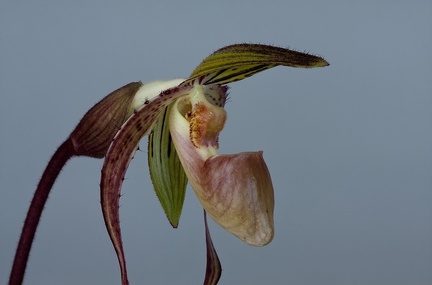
x,y
213,266
235,190
117,160
238,61
166,172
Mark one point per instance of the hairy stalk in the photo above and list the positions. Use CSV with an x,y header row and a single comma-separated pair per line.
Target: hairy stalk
x,y
55,165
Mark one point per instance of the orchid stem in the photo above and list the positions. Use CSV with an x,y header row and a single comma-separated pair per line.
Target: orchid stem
x,y
40,197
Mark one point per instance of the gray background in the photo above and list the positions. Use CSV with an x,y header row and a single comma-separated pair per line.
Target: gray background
x,y
349,146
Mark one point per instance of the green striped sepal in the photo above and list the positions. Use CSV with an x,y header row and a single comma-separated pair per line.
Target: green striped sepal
x,y
238,61
166,172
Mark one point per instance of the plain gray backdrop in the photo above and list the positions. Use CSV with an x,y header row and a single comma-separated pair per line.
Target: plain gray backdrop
x,y
349,146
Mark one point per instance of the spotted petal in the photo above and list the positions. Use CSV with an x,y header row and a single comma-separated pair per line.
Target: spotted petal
x,y
117,160
167,175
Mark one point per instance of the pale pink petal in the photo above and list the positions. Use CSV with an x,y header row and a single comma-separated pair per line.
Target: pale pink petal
x,y
236,190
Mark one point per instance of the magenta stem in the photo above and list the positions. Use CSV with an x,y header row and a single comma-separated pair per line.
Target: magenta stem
x,y
40,197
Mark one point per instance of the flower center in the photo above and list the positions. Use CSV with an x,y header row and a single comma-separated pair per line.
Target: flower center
x,y
207,121
204,111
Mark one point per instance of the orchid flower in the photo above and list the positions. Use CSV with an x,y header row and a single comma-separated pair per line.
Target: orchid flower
x,y
183,118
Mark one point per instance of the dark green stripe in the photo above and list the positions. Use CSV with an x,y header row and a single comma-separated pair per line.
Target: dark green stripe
x,y
241,74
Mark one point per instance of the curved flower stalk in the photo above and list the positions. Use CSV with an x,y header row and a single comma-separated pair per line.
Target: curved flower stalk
x,y
91,137
183,119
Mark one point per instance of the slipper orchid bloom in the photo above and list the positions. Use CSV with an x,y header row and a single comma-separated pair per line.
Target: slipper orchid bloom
x,y
183,119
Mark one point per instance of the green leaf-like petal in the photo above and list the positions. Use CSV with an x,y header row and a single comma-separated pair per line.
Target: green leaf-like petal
x,y
166,172
238,61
